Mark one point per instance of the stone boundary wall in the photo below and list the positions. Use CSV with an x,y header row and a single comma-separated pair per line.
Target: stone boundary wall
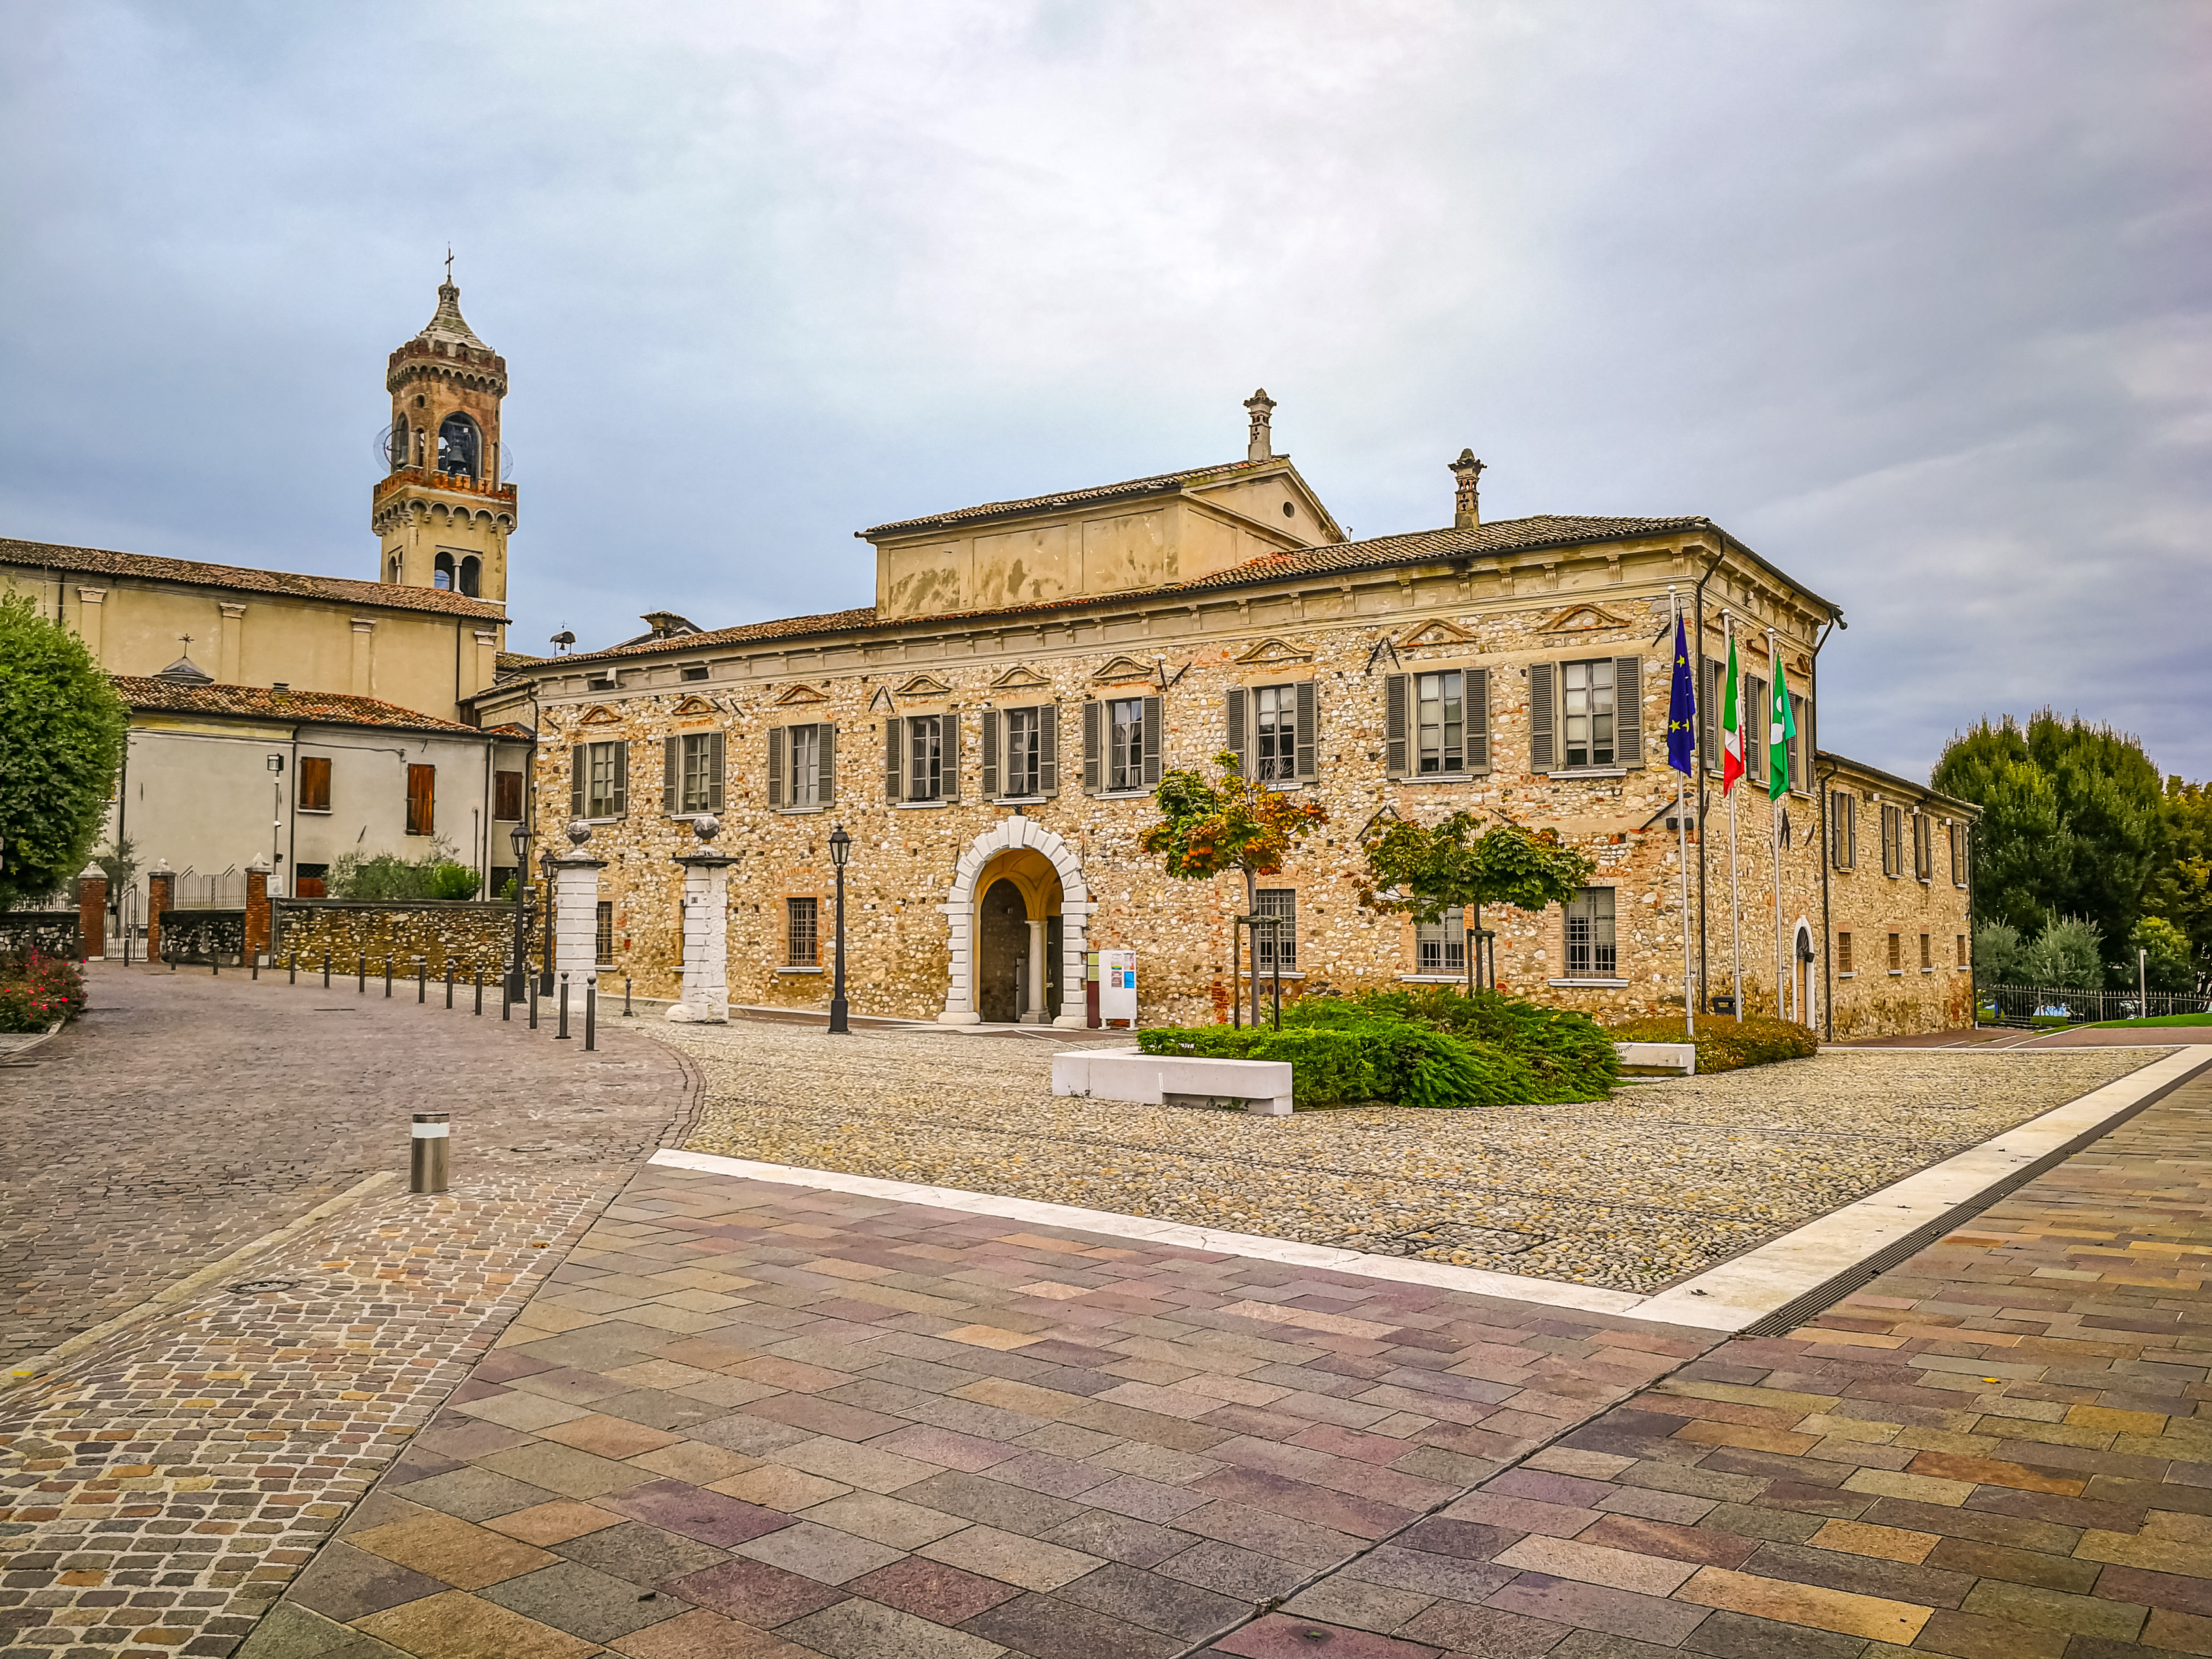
x,y
468,933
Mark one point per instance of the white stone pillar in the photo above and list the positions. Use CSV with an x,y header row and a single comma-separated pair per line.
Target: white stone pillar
x,y
706,998
1074,950
576,920
1035,1014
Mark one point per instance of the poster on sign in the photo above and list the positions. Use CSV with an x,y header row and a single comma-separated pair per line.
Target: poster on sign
x,y
1117,987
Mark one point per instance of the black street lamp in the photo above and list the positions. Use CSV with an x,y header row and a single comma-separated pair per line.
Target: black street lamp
x,y
520,965
840,848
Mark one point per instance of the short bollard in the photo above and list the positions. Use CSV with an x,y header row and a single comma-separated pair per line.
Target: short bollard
x,y
562,1033
428,1161
533,1002
626,1013
361,973
387,977
591,1011
449,984
423,980
479,979
506,997
326,970
215,961
257,966
295,977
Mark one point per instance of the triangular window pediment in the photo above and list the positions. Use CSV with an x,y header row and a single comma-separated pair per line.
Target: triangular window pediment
x,y
694,705
1436,632
1270,651
1124,668
1019,679
924,685
602,716
796,695
1583,619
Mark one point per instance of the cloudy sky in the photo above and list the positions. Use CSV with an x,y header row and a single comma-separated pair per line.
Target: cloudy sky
x,y
1911,295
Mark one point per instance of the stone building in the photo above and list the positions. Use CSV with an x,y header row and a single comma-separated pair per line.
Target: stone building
x,y
990,729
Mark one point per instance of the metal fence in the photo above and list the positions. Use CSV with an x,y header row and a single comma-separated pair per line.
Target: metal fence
x,y
225,891
2028,1006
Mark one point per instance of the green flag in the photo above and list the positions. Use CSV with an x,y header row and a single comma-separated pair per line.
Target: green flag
x,y
1781,734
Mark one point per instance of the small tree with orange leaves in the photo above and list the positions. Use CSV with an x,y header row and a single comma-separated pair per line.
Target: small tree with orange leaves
x,y
1210,829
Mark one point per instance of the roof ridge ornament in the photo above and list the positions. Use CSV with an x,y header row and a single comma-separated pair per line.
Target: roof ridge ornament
x,y
1260,407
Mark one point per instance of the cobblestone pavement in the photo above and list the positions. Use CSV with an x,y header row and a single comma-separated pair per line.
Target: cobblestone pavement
x,y
746,1419
162,1484
1659,1182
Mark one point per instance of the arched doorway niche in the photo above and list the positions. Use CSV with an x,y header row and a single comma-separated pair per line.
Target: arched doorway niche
x,y
1018,859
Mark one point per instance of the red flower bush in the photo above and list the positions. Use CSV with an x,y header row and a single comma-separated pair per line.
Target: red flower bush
x,y
37,989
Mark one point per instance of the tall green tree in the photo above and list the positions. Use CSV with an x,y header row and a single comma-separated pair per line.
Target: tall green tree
x,y
2181,892
1423,871
2070,826
62,731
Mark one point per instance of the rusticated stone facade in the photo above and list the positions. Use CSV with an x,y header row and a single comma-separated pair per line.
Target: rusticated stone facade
x,y
1335,635
464,934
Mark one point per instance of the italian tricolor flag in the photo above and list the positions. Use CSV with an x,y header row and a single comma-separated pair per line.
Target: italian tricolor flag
x,y
1781,732
1731,727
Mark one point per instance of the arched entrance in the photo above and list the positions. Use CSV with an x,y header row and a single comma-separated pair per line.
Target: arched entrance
x,y
1802,964
1016,916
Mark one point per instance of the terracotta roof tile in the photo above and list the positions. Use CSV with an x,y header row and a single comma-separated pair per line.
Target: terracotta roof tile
x,y
1159,483
106,562
153,695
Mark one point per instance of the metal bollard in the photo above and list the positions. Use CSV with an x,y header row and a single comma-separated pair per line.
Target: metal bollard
x,y
479,979
422,981
295,978
360,971
257,966
506,997
427,1152
562,1033
591,1011
387,975
626,1013
326,970
533,1002
214,961
449,982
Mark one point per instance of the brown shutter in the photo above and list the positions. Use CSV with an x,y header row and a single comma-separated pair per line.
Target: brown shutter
x,y
1628,711
1090,746
421,804
315,785
990,754
825,762
715,751
1476,709
1235,709
1543,683
622,778
949,725
776,766
1308,756
578,761
1151,741
1395,690
1048,750
672,773
894,757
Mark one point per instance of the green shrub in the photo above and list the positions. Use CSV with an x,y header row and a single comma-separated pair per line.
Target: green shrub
x,y
1725,1044
387,877
36,990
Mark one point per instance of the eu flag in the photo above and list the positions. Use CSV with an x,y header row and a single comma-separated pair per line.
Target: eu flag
x,y
1682,708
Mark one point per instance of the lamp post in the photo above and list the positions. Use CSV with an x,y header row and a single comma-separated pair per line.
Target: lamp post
x,y
840,849
520,965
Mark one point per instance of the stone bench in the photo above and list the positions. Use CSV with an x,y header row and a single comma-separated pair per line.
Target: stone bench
x,y
1657,1059
1261,1086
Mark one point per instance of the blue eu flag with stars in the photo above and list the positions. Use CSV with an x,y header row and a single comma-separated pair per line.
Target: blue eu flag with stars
x,y
1682,708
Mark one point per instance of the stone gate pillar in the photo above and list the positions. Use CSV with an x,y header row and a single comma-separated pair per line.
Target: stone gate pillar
x,y
706,995
92,914
256,911
161,895
576,912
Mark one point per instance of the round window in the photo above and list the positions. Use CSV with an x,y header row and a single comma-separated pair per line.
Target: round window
x,y
1289,509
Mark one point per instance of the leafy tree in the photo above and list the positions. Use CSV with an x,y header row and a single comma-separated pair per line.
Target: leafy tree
x,y
2070,826
2181,891
1229,824
1998,953
119,864
2068,953
1422,872
2166,966
62,731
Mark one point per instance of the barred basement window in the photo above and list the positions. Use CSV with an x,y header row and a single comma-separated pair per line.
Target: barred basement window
x,y
803,947
1843,953
1590,950
1588,711
603,946
1270,942
1440,947
1897,953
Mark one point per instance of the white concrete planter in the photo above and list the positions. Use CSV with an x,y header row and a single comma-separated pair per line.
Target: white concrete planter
x,y
1658,1059
1261,1086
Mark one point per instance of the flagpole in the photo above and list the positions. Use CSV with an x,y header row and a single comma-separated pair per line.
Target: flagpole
x,y
1735,888
1775,694
1682,844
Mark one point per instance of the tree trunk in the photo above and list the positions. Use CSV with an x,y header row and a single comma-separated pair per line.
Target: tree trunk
x,y
1252,908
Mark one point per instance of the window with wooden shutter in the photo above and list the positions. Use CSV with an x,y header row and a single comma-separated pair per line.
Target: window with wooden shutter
x,y
1628,711
315,785
1711,693
1048,750
949,725
579,760
1897,953
1588,714
1541,746
717,770
1092,745
825,777
621,776
672,773
1923,846
1275,733
894,758
1478,720
1233,722
1309,734
1395,690
1958,855
422,806
507,794
1152,774
776,766
989,727
803,774
925,743
1839,830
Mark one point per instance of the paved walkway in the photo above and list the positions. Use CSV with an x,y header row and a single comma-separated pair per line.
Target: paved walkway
x,y
160,1488
749,1419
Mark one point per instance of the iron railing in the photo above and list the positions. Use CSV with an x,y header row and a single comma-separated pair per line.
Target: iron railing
x,y
2028,1005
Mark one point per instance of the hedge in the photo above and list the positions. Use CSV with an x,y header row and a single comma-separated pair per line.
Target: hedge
x,y
1725,1044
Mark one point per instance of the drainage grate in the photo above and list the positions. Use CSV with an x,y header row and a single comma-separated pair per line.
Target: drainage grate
x,y
263,1287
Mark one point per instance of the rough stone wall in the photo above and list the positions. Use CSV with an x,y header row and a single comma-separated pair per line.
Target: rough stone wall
x,y
467,935
1873,999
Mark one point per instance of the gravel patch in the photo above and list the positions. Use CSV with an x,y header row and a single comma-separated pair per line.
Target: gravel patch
x,y
1659,1182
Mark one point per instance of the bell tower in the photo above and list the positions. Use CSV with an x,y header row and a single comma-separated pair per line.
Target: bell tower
x,y
440,513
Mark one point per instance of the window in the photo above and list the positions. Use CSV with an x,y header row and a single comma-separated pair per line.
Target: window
x,y
1755,711
1272,945
1893,841
472,575
1843,830
459,447
442,574
1897,953
599,785
1125,743
1590,953
1441,723
314,783
310,880
802,766
694,671
803,947
603,934
1275,731
1021,761
1440,947
1588,691
507,794
1961,937
421,804
924,740
1927,959
805,771
692,774
1923,846
1843,953
1958,855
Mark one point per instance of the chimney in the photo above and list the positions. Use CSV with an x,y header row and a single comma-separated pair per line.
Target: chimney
x,y
1466,507
1260,406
